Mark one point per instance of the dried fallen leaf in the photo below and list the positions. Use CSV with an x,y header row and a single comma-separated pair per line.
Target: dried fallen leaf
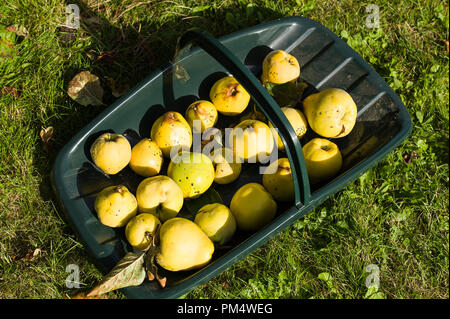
x,y
30,256
446,45
46,134
85,89
20,30
129,271
408,158
82,295
12,91
225,285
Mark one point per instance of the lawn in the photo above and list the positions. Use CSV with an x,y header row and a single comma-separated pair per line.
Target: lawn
x,y
395,216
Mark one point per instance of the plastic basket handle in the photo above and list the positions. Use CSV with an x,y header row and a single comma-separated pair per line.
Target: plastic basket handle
x,y
264,100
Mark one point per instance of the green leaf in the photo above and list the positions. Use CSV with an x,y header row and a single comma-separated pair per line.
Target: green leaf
x,y
282,276
129,271
373,293
199,9
419,116
286,94
434,68
422,145
192,206
325,277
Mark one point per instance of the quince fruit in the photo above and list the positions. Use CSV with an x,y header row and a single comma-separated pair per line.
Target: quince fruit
x,y
298,122
193,172
183,245
323,159
253,207
278,180
139,228
229,97
217,222
204,112
171,130
111,152
227,165
280,67
146,158
115,206
331,112
251,140
161,196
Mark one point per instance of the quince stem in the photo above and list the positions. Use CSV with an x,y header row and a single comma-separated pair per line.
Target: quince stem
x,y
119,189
150,254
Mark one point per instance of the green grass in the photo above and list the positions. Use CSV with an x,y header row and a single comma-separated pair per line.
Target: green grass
x,y
395,216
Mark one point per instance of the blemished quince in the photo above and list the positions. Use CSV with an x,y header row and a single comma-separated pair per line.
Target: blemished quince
x,y
280,183
251,140
140,229
331,112
202,113
229,97
298,122
111,152
253,207
183,245
161,196
227,165
171,130
146,158
115,206
217,222
280,67
323,159
193,172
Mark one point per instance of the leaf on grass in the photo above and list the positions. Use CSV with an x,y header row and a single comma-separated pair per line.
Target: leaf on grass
x,y
328,279
12,91
409,157
85,89
46,134
373,293
82,295
129,271
20,30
